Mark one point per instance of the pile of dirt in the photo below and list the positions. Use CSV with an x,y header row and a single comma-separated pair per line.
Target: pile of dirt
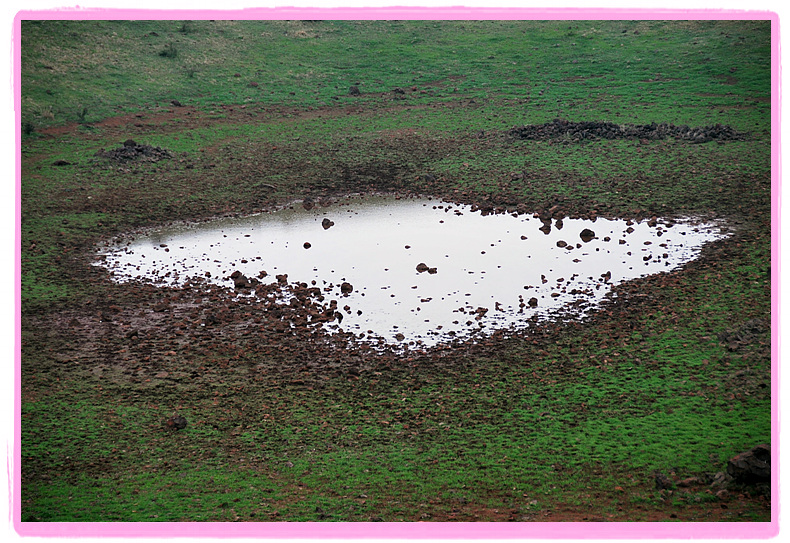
x,y
595,130
133,151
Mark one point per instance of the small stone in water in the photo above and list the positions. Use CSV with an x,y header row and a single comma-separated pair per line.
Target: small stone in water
x,y
587,235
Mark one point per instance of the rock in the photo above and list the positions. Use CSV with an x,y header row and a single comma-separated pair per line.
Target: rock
x,y
354,90
562,243
662,481
721,480
596,130
176,422
753,466
744,335
533,302
132,151
240,280
690,481
307,245
586,235
346,288
327,224
422,267
308,203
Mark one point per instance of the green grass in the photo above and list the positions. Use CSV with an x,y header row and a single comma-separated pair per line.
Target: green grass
x,y
87,70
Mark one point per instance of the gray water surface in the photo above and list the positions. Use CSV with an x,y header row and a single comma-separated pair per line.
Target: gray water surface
x,y
423,271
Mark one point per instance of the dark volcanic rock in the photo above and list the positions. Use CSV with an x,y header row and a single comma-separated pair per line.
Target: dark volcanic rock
x,y
744,335
596,130
586,235
662,481
753,466
241,281
176,422
133,151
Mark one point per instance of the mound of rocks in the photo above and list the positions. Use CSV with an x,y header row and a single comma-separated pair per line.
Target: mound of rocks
x,y
752,466
133,151
742,336
597,130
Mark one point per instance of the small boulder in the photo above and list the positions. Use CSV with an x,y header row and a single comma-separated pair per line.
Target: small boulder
x,y
662,481
587,235
176,422
240,280
753,466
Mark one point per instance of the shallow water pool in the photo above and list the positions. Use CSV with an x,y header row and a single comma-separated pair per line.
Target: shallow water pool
x,y
416,270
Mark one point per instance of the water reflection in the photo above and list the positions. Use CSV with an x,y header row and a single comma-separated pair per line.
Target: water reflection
x,y
417,269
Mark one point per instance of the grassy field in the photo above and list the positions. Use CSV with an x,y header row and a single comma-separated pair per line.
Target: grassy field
x,y
567,423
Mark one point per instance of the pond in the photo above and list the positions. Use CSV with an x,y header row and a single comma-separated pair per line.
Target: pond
x,y
413,270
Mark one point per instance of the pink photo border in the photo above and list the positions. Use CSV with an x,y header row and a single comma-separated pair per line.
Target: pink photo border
x,y
383,531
